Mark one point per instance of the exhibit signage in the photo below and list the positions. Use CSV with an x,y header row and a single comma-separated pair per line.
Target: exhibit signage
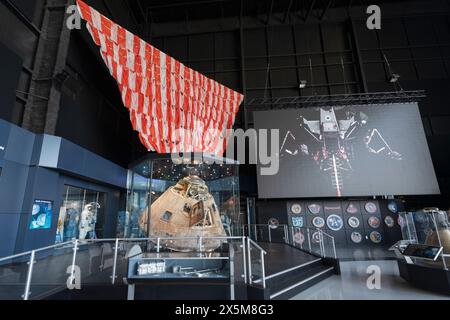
x,y
41,217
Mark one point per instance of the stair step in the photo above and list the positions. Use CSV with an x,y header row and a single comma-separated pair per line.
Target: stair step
x,y
293,272
289,273
289,287
295,278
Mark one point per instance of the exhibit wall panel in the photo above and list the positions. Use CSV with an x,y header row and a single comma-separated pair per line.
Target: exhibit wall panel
x,y
49,185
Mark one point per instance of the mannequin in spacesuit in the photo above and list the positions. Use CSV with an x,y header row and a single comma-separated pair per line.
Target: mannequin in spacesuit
x,y
88,221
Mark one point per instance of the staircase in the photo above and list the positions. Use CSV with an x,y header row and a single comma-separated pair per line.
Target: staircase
x,y
289,272
287,285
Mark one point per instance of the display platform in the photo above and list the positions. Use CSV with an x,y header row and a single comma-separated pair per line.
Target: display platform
x,y
425,277
177,269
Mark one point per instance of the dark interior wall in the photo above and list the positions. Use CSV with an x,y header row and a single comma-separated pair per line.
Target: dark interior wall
x,y
418,48
267,56
270,60
92,114
18,41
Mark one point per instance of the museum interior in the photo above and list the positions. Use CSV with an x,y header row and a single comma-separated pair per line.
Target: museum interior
x,y
224,149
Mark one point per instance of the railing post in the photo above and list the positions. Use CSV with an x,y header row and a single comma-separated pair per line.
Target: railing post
x,y
322,248
26,294
249,255
256,233
244,259
116,248
292,236
439,239
263,270
74,258
158,245
270,233
200,241
334,249
309,240
286,234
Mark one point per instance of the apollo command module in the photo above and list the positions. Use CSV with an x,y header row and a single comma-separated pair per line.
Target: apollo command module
x,y
186,211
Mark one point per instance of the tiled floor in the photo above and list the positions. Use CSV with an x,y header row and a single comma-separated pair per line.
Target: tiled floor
x,y
351,285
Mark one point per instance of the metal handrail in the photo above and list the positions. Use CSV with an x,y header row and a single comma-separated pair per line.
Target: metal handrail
x,y
288,240
257,246
35,251
332,240
85,241
263,252
76,243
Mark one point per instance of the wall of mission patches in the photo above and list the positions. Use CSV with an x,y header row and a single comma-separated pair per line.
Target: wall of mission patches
x,y
368,222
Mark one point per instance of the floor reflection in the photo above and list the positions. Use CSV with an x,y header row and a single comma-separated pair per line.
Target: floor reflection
x,y
351,285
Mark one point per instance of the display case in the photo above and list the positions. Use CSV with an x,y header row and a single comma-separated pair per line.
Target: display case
x,y
429,227
81,214
187,197
178,266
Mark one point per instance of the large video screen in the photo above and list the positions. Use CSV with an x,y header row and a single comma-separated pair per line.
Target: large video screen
x,y
345,151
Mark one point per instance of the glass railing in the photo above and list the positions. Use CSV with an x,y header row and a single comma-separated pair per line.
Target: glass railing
x,y
311,240
41,273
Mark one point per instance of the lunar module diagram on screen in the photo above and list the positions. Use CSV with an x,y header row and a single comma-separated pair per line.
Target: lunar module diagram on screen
x,y
333,145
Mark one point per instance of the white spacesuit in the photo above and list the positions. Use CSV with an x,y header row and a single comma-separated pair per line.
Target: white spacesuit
x,y
88,221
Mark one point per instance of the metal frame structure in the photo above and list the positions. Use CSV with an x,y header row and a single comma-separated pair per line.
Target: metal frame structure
x,y
337,100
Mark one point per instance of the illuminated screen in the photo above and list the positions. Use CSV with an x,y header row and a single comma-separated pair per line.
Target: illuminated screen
x,y
348,151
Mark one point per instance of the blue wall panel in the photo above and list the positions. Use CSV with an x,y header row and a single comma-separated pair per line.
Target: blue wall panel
x,y
9,224
12,187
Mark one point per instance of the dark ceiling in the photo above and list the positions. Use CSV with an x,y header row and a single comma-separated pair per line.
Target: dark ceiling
x,y
157,11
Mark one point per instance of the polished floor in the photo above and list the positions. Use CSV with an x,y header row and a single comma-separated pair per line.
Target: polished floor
x,y
281,257
352,285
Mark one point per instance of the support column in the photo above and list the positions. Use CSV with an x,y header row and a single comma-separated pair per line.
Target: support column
x,y
43,103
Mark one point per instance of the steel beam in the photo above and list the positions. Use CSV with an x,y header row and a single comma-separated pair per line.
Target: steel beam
x,y
18,13
310,10
357,51
40,115
288,11
338,100
325,11
269,13
184,4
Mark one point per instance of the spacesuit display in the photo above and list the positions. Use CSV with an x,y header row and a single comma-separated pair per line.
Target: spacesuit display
x,y
88,221
71,224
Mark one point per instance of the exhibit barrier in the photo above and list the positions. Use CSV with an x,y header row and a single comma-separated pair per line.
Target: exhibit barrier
x,y
311,240
40,273
427,227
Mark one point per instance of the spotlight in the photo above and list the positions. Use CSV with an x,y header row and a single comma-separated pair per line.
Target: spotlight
x,y
394,78
303,84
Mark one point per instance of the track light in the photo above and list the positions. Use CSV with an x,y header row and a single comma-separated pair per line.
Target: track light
x,y
394,77
303,84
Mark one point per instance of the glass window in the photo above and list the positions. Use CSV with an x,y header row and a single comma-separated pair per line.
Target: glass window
x,y
180,198
81,215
